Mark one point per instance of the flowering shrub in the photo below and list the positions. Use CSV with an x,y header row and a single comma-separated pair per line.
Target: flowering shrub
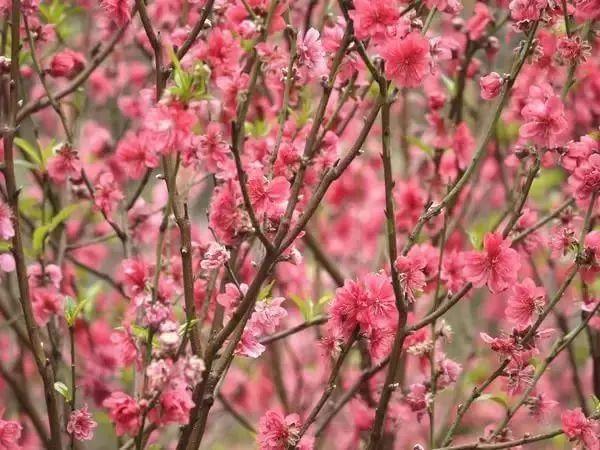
x,y
286,224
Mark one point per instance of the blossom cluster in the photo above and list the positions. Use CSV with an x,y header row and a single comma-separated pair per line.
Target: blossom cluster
x,y
299,224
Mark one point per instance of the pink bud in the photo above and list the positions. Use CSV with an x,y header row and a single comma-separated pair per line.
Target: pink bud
x,y
66,64
490,85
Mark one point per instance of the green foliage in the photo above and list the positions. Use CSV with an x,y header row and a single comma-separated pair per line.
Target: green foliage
x,y
548,180
258,128
265,291
186,327
305,112
191,85
73,309
449,84
413,140
40,233
496,398
506,133
309,308
38,156
63,390
57,13
479,228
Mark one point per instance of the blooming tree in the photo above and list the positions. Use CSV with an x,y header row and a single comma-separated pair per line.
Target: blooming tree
x,y
299,224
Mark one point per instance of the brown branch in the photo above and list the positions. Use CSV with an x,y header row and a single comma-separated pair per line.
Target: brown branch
x,y
8,132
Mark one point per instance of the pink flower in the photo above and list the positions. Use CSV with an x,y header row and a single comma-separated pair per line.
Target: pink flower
x,y
526,10
264,320
135,274
275,431
124,412
592,249
379,300
497,265
491,85
268,196
345,305
573,49
267,315
463,145
418,398
540,405
174,407
502,345
577,152
215,257
66,64
545,121
81,425
213,150
410,198
136,154
586,178
249,344
119,11
412,279
225,216
108,193
10,434
7,230
372,18
478,22
452,271
64,164
7,262
579,428
49,275
46,303
407,59
526,300
232,296
311,55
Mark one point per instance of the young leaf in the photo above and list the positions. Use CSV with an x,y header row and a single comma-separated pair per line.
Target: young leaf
x,y
40,233
63,390
29,150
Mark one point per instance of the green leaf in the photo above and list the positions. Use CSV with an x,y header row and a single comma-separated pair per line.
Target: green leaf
x,y
186,327
63,390
306,307
92,292
479,228
494,398
325,299
40,233
73,309
265,291
141,333
26,164
450,85
29,150
413,140
596,404
548,180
